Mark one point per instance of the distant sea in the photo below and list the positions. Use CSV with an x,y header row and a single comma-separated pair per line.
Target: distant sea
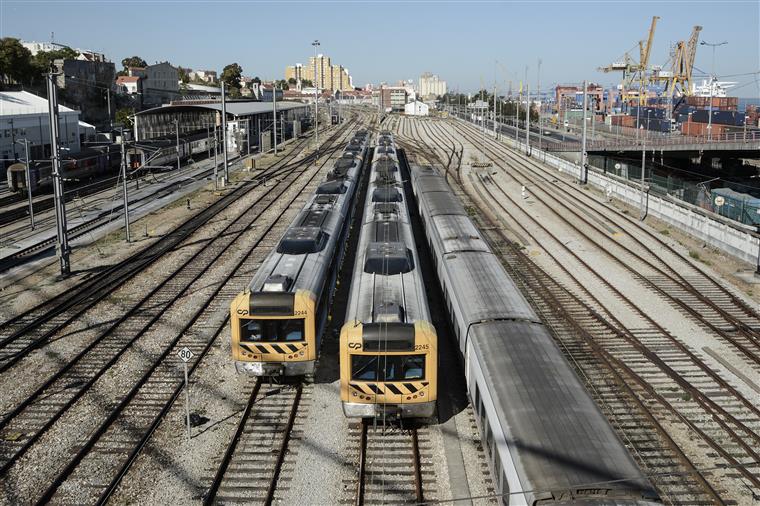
x,y
744,102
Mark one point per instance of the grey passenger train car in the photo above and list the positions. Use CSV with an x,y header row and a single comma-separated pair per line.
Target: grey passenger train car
x,y
547,441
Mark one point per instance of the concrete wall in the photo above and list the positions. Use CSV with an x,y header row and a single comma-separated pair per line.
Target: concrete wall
x,y
736,239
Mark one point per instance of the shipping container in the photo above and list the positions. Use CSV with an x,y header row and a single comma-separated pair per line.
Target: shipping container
x,y
721,103
700,129
731,118
741,207
652,112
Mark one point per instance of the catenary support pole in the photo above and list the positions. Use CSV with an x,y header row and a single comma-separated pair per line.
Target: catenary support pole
x,y
60,206
224,136
124,187
27,163
584,154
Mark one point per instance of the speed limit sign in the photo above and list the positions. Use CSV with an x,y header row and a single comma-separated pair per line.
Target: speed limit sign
x,y
185,354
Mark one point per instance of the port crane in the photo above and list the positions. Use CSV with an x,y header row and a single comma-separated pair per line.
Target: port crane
x,y
678,80
632,70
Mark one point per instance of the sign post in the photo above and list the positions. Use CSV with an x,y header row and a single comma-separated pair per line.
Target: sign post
x,y
185,355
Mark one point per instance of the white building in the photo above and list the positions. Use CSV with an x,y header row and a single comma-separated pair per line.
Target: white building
x,y
84,54
160,83
431,84
24,115
128,84
208,76
416,109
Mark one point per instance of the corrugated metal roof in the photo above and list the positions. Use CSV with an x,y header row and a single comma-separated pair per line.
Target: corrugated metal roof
x,y
233,108
23,102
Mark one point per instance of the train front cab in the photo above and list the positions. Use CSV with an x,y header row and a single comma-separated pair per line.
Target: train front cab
x,y
274,333
388,369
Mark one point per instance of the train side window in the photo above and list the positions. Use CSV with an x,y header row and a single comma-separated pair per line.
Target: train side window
x,y
476,403
489,437
486,441
497,469
504,489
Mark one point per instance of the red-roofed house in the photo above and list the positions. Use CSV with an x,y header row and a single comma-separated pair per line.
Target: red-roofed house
x,y
128,84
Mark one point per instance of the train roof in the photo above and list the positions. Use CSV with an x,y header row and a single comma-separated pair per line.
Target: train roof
x,y
303,255
560,439
459,235
443,203
387,285
486,292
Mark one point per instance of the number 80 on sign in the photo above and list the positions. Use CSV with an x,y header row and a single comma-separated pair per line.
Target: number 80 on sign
x,y
185,354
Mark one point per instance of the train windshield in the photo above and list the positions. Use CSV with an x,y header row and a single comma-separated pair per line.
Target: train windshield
x,y
387,367
271,331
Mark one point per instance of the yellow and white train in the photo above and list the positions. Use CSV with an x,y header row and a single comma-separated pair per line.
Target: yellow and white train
x,y
277,322
388,347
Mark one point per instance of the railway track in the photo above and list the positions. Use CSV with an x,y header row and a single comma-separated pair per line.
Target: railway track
x,y
644,363
44,202
34,328
46,245
667,271
251,466
147,388
392,465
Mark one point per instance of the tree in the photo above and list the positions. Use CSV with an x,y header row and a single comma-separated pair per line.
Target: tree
x,y
133,61
183,75
307,83
231,75
257,80
124,116
44,59
282,84
292,81
15,62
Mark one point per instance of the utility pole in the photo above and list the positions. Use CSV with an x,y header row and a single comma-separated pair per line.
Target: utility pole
x,y
494,111
110,121
13,140
124,187
712,83
216,149
540,103
208,141
28,161
584,155
643,213
60,205
316,101
176,131
224,136
527,119
517,118
274,116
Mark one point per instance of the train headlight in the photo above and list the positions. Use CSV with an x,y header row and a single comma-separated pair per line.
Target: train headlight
x,y
354,394
422,394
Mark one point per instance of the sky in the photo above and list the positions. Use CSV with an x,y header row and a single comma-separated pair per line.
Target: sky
x,y
468,43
